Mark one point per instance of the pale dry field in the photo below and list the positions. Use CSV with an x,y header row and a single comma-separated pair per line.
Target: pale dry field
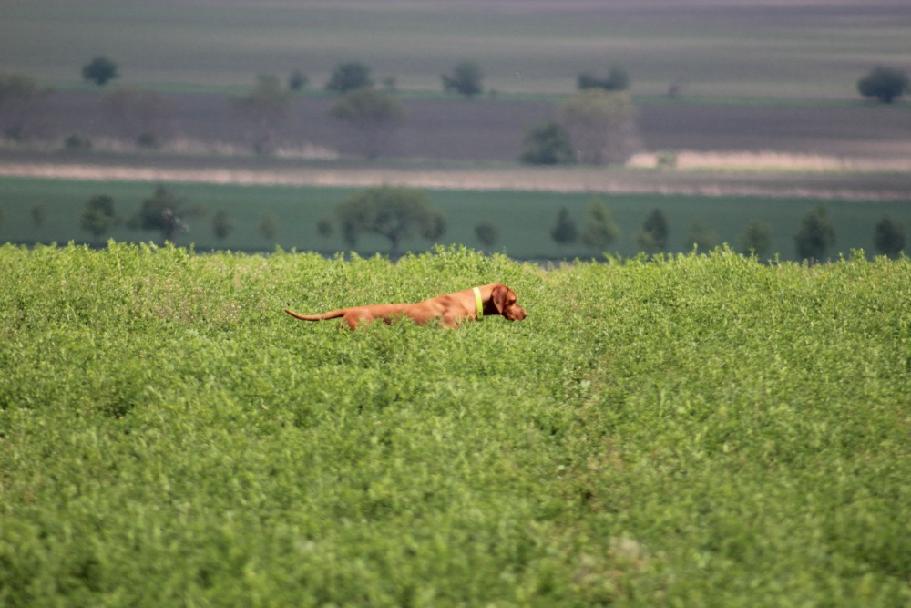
x,y
745,174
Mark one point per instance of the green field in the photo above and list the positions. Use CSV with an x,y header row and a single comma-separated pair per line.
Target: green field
x,y
716,50
701,431
524,219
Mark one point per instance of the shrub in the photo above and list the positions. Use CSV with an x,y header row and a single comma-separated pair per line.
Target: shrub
x,y
816,235
601,126
889,237
165,213
547,144
349,77
297,81
99,217
268,226
75,143
653,236
564,231
373,115
465,79
487,234
222,225
600,230
757,238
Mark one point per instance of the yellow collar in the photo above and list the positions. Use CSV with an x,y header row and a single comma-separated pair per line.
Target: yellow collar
x,y
478,304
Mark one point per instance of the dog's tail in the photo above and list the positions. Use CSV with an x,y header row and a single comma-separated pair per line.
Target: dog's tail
x,y
332,314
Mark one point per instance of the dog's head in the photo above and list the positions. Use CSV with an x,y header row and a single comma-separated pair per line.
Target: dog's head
x,y
504,300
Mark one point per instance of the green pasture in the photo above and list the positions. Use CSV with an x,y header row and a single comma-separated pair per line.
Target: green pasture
x,y
695,431
717,50
523,219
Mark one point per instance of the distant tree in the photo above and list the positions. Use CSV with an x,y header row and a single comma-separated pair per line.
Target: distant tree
x,y
137,114
465,79
297,81
268,226
703,237
324,228
76,142
885,84
98,216
547,144
389,84
653,236
601,126
600,230
265,109
816,235
564,231
100,70
39,214
349,77
889,237
21,103
617,80
222,225
393,213
164,213
757,239
487,234
373,115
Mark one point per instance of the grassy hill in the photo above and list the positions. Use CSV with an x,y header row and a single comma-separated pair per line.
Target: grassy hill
x,y
693,431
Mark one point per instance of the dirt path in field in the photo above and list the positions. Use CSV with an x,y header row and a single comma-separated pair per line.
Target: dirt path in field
x,y
838,186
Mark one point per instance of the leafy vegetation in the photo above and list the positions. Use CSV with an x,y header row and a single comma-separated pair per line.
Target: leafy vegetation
x,y
655,232
547,144
372,114
348,77
889,237
702,430
884,83
816,235
21,100
393,213
466,79
523,218
99,216
601,125
100,71
265,110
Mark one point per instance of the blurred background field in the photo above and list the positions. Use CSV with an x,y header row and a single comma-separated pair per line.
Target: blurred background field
x,y
732,49
735,102
523,219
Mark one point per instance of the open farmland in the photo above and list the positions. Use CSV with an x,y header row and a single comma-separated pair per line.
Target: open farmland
x,y
719,49
695,431
486,130
523,218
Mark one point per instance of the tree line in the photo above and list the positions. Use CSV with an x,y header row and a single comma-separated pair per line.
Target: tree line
x,y
399,214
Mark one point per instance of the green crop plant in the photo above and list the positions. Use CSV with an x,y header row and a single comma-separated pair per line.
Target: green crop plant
x,y
684,430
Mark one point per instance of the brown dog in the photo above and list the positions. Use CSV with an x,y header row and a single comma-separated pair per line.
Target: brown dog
x,y
451,308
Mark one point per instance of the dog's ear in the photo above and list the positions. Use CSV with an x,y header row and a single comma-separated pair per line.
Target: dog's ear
x,y
498,296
